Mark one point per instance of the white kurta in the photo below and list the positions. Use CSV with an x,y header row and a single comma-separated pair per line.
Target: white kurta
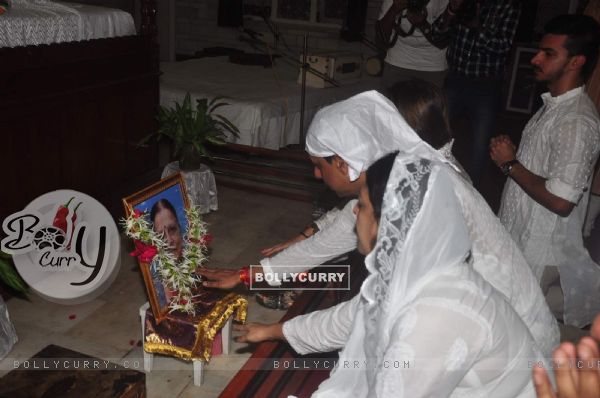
x,y
560,143
336,236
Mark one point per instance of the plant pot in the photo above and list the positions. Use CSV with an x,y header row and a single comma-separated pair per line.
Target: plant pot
x,y
189,159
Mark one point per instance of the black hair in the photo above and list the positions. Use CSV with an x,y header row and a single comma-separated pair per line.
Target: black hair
x,y
583,38
423,106
377,178
163,204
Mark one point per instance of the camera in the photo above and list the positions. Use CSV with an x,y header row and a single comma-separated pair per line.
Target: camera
x,y
416,5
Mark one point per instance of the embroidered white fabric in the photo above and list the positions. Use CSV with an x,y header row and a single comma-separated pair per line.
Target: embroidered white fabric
x,y
34,22
422,305
559,143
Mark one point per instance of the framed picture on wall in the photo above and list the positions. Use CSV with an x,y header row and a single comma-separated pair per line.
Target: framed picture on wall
x,y
523,90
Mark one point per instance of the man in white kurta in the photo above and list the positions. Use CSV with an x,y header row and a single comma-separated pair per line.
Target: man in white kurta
x,y
545,199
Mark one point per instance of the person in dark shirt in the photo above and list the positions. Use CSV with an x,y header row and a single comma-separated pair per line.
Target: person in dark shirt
x,y
479,35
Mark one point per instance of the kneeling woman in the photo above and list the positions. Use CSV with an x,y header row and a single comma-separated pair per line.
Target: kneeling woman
x,y
422,306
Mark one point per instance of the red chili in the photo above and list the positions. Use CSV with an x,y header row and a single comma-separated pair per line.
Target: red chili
x,y
73,219
74,216
60,219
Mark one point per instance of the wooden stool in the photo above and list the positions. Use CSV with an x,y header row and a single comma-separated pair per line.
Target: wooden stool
x,y
198,363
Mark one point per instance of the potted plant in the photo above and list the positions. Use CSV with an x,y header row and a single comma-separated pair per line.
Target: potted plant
x,y
189,129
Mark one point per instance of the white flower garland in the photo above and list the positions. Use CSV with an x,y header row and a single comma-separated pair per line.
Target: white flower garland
x,y
177,276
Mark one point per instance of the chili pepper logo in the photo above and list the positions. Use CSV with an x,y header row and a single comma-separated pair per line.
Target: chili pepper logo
x,y
65,245
60,220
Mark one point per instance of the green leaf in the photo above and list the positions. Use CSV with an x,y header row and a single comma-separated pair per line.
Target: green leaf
x,y
9,275
216,99
201,149
188,126
216,140
216,106
202,105
187,101
229,126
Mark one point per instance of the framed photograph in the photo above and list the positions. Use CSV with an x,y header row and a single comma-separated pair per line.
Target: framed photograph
x,y
523,90
164,203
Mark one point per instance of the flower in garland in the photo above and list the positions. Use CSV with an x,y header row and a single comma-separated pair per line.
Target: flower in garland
x,y
144,252
177,275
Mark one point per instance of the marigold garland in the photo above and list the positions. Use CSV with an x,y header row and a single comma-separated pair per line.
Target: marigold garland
x,y
177,276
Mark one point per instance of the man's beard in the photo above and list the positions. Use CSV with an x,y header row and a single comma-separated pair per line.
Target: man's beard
x,y
557,75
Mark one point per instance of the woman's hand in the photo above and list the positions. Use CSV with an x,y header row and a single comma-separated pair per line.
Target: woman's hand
x,y
257,332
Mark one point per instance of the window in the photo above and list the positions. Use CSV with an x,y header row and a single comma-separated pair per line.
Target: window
x,y
257,8
321,12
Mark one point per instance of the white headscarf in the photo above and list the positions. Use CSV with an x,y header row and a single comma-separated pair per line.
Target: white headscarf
x,y
422,234
361,130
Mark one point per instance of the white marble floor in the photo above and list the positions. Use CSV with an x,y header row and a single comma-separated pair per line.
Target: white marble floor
x,y
109,327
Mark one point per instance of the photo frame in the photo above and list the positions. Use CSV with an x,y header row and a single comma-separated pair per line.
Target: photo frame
x,y
523,90
165,201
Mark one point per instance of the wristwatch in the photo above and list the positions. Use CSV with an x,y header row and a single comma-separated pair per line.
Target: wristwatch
x,y
507,167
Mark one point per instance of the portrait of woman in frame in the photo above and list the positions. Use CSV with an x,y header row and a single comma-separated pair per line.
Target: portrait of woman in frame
x,y
164,203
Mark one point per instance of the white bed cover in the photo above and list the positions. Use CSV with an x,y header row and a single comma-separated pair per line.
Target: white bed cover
x,y
33,22
265,102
